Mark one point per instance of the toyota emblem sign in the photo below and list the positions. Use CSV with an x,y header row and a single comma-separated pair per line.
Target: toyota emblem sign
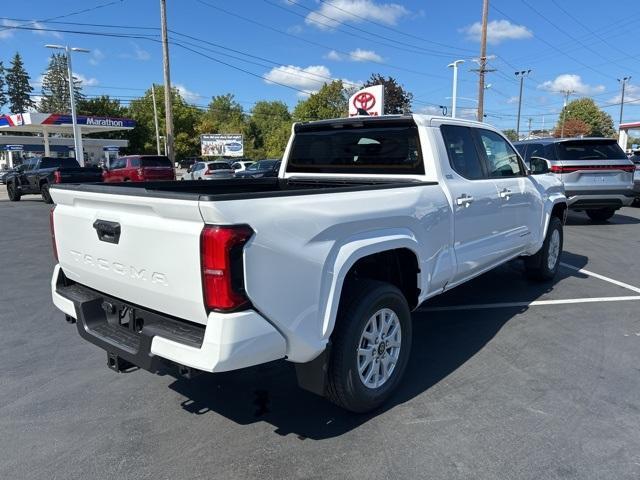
x,y
370,100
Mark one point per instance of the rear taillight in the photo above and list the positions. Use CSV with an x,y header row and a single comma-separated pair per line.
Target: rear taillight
x,y
57,177
207,172
53,233
221,249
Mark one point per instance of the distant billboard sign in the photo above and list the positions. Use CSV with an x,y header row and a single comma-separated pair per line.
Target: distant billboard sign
x,y
222,145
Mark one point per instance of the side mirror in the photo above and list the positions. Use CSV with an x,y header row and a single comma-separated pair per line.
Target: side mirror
x,y
539,165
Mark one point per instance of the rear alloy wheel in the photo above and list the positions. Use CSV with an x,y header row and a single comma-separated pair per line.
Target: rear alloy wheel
x,y
12,192
44,191
601,215
370,346
544,264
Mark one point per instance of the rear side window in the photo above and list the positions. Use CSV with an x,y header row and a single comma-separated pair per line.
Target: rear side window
x,y
461,148
155,162
135,162
219,166
590,150
363,147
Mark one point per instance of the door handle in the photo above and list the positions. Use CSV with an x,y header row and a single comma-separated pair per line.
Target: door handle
x,y
505,193
464,200
107,231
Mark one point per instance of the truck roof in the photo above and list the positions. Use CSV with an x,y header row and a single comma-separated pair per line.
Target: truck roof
x,y
421,119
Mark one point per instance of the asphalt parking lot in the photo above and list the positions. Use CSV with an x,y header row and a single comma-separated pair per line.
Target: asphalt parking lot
x,y
513,389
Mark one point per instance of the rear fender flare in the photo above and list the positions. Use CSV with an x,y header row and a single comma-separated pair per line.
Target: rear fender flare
x,y
345,254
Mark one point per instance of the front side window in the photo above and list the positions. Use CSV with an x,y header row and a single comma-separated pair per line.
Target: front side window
x,y
502,160
359,148
462,151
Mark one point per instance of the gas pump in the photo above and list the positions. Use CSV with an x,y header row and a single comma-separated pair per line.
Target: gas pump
x,y
111,152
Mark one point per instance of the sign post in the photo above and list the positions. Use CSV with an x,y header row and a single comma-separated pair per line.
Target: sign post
x,y
367,102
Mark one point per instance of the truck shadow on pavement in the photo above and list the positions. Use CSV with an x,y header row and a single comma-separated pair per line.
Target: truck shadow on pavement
x,y
442,342
581,219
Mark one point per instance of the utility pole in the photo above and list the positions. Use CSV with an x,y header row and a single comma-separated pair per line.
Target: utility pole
x,y
564,110
483,60
529,134
521,74
155,117
167,83
77,134
623,81
454,100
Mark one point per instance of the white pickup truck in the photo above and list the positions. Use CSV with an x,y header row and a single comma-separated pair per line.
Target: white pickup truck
x,y
322,266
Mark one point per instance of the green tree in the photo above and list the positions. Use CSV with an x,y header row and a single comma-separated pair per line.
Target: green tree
x,y
331,101
599,122
55,87
223,115
396,99
18,87
266,128
3,95
511,134
573,127
186,117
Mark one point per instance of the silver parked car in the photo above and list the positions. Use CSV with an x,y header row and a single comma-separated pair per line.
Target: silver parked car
x,y
209,171
597,175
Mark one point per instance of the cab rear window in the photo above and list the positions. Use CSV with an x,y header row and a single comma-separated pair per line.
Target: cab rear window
x,y
359,147
590,150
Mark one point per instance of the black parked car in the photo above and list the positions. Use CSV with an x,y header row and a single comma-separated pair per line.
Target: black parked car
x,y
261,169
635,158
37,174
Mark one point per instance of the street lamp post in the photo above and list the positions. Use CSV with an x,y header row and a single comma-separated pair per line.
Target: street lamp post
x,y
77,135
454,94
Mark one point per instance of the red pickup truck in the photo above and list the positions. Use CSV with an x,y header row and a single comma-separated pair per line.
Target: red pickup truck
x,y
139,168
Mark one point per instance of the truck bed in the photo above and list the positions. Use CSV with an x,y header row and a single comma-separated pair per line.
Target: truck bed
x,y
239,189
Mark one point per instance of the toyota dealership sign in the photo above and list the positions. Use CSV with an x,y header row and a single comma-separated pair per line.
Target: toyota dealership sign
x,y
368,101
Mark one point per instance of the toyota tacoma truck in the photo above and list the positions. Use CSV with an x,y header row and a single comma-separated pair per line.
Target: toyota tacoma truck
x,y
37,174
368,218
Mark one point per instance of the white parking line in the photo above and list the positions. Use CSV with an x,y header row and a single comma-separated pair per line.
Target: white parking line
x,y
536,303
602,277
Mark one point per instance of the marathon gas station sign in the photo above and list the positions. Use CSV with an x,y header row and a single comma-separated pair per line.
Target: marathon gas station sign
x,y
22,121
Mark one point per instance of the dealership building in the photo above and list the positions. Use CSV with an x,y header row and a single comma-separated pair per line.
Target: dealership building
x,y
51,134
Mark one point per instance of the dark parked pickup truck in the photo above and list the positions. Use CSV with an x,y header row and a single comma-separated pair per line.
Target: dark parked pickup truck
x,y
36,175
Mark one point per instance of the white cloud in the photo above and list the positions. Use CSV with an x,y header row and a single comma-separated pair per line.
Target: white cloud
x,y
7,32
631,94
96,56
333,55
570,82
512,100
187,94
360,55
430,110
86,81
295,29
39,30
308,79
355,11
138,53
498,31
357,55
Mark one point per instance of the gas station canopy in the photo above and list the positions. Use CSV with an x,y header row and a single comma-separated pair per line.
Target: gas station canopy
x,y
44,123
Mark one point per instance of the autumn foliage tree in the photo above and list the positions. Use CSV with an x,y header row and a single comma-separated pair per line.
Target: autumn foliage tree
x,y
573,127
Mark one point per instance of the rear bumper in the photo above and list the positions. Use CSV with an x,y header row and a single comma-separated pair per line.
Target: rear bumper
x,y
581,200
228,341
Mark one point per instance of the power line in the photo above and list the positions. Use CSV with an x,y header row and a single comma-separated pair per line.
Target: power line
x,y
412,48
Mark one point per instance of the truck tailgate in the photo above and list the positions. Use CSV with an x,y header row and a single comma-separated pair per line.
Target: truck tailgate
x,y
155,261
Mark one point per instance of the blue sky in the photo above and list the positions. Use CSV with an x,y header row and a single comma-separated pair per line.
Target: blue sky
x,y
289,47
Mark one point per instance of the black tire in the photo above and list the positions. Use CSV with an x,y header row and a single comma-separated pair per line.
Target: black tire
x,y
345,388
46,195
601,214
12,192
537,266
